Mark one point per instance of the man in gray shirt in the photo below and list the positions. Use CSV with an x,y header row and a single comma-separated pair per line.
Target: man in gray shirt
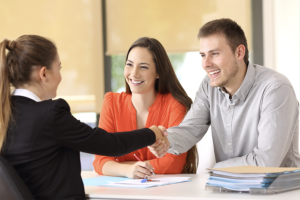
x,y
252,110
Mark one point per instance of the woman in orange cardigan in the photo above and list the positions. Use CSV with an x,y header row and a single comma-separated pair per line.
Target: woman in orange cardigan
x,y
153,96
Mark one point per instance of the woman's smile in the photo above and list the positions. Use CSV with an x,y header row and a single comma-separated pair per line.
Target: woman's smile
x,y
136,82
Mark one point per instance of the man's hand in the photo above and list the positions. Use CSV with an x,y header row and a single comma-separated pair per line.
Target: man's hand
x,y
162,144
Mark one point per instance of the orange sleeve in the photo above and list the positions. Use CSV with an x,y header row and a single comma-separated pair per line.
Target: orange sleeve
x,y
106,122
171,164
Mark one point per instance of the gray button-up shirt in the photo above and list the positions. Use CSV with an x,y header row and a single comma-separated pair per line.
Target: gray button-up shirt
x,y
258,126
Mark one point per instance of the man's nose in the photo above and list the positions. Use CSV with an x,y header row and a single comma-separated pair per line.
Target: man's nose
x,y
206,62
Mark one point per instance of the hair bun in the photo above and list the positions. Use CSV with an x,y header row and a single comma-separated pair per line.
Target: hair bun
x,y
11,45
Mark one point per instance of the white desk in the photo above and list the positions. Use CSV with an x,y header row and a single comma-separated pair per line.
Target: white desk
x,y
186,191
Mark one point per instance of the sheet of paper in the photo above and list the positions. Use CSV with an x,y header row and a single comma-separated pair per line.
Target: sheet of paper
x,y
110,181
254,169
137,183
238,175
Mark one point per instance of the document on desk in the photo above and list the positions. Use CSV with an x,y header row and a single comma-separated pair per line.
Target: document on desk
x,y
158,180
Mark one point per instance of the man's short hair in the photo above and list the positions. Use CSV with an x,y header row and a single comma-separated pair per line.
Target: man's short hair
x,y
230,29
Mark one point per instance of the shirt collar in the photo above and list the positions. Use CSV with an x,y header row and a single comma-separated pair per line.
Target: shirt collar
x,y
26,93
247,83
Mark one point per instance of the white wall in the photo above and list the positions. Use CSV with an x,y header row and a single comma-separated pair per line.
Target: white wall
x,y
287,22
281,39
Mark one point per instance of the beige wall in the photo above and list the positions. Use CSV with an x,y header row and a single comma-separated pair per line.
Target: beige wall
x,y
75,26
175,23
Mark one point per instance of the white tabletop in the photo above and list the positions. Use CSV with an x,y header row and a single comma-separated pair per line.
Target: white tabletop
x,y
192,190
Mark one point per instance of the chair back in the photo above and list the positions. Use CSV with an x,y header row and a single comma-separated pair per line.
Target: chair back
x,y
11,185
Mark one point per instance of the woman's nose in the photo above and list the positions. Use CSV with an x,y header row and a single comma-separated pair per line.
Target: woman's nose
x,y
135,72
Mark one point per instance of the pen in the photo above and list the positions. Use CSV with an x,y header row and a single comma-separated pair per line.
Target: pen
x,y
148,180
141,161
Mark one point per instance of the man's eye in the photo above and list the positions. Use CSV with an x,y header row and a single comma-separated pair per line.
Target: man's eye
x,y
214,54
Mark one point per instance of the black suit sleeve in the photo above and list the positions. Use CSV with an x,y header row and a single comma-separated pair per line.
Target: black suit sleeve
x,y
70,132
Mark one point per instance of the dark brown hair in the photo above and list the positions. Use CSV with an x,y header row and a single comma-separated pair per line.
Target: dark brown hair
x,y
230,29
16,66
167,83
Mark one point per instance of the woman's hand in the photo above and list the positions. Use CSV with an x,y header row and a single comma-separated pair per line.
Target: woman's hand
x,y
162,144
140,170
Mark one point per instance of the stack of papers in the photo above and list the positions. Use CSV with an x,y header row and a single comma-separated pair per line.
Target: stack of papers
x,y
247,178
109,181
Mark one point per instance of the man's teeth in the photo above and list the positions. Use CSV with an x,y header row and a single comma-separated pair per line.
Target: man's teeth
x,y
214,72
136,82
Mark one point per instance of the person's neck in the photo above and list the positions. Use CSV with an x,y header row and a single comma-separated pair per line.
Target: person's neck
x,y
235,83
37,90
142,102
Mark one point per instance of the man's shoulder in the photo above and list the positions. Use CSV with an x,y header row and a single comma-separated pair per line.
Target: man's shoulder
x,y
265,76
206,83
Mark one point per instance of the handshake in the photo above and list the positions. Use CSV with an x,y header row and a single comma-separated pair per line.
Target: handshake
x,y
162,144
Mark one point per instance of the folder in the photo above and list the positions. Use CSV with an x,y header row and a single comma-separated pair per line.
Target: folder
x,y
253,179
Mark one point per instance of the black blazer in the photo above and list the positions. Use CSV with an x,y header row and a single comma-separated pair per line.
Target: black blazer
x,y
43,143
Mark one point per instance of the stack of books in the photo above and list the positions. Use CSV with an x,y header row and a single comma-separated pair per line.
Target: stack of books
x,y
252,179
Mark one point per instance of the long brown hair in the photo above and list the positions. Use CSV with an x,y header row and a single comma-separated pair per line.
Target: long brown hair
x,y
16,66
167,83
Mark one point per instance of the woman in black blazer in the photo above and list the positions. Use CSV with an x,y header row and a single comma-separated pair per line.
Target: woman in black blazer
x,y
38,135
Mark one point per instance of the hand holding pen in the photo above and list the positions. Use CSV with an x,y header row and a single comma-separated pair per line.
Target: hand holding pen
x,y
138,169
151,170
142,161
146,179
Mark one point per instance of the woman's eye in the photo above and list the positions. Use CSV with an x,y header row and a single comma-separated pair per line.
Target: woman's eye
x,y
144,67
129,64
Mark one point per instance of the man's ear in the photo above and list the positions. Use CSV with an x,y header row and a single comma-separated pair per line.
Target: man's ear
x,y
42,73
157,76
240,52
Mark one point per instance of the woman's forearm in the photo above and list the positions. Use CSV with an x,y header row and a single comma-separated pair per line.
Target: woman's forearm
x,y
113,168
130,169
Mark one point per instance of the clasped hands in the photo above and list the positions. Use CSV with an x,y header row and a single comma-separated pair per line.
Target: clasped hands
x,y
162,144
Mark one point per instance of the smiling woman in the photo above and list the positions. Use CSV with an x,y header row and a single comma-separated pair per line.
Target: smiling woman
x,y
153,96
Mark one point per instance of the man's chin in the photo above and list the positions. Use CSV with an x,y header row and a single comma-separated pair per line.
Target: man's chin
x,y
213,84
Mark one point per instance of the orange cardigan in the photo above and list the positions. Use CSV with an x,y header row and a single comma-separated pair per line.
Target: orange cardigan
x,y
118,114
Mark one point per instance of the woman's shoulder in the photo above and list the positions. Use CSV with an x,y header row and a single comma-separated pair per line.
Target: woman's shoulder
x,y
168,98
117,98
42,108
59,104
170,101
